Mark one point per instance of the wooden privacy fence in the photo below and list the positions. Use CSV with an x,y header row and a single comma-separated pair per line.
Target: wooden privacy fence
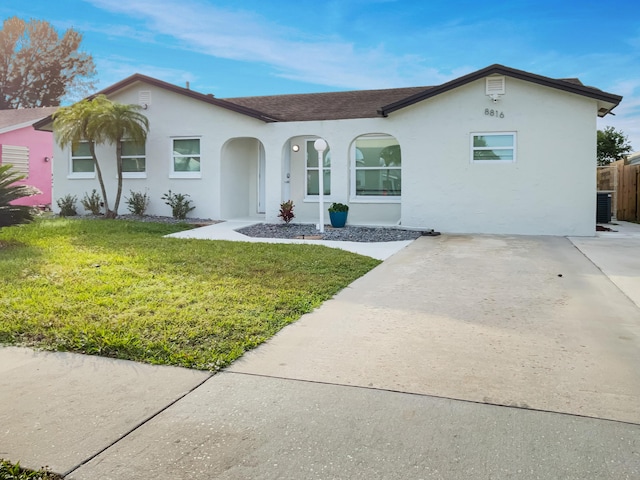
x,y
624,181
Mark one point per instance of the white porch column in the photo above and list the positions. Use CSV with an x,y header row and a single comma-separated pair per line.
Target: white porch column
x,y
320,145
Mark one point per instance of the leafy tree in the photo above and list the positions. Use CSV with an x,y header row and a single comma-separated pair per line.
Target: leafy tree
x,y
38,67
99,120
9,191
612,145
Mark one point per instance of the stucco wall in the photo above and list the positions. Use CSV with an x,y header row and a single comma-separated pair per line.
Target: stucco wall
x,y
550,189
170,115
40,146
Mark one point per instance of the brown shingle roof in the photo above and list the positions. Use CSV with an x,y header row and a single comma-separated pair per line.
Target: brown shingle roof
x,y
19,116
358,103
326,106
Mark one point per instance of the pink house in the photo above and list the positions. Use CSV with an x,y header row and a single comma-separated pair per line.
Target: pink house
x,y
30,151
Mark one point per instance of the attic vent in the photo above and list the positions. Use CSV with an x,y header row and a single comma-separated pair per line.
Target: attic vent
x,y
495,85
144,98
17,156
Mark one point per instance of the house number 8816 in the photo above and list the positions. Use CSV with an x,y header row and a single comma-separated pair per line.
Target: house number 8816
x,y
493,113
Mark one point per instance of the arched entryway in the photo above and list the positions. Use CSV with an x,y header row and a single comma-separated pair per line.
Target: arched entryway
x,y
242,173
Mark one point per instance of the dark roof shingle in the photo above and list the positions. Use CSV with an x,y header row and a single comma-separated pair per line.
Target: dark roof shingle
x,y
326,106
19,116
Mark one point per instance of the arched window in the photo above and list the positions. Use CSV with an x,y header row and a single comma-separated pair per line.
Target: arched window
x,y
376,167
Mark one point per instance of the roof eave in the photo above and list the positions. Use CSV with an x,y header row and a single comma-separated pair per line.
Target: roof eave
x,y
137,77
507,71
45,124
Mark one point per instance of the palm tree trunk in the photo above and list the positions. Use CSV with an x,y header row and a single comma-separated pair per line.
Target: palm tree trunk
x,y
92,148
119,167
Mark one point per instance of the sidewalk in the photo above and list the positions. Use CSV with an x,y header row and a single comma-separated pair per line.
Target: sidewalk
x,y
439,363
617,254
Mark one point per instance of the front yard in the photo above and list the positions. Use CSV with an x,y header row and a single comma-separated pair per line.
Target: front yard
x,y
118,289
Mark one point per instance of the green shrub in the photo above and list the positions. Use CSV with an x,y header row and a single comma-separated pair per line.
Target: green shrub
x,y
14,214
92,203
179,204
286,211
67,205
338,207
138,202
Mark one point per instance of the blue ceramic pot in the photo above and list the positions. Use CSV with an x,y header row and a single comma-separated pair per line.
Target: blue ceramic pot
x,y
338,219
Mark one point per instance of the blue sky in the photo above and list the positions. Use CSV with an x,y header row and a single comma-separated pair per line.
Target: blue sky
x,y
264,47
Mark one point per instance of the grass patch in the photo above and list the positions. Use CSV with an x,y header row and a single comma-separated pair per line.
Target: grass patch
x,y
118,289
10,471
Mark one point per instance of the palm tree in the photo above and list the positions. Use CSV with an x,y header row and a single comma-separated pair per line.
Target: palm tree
x,y
117,124
100,120
74,124
9,191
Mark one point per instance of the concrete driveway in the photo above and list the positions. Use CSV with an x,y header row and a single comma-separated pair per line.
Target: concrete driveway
x,y
459,357
520,321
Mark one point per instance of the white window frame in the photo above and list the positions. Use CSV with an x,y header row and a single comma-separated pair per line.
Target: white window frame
x,y
172,172
80,175
307,169
136,174
473,149
353,195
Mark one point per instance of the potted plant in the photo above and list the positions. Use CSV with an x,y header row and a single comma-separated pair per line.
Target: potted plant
x,y
338,214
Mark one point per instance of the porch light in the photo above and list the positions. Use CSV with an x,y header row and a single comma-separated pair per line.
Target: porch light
x,y
320,145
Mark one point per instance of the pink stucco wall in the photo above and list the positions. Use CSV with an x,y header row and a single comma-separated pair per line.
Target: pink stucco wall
x,y
40,146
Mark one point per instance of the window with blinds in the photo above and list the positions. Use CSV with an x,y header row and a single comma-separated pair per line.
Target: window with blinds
x,y
16,156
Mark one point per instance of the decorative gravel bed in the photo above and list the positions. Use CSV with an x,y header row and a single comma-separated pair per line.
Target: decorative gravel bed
x,y
349,233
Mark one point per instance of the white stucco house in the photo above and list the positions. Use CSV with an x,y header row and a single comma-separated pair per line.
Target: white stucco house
x,y
498,150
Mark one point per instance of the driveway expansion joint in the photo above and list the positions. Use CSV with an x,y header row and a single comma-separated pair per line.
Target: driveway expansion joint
x,y
136,427
440,397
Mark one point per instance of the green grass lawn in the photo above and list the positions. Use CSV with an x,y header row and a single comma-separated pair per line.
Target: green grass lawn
x,y
118,289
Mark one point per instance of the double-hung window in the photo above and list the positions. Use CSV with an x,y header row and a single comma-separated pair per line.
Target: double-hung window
x,y
185,158
313,168
494,147
377,168
134,160
82,165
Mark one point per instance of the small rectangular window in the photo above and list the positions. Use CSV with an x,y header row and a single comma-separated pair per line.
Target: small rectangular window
x,y
185,159
493,147
134,162
17,157
81,161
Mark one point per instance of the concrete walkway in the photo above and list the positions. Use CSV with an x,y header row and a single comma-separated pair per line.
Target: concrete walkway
x,y
459,357
228,231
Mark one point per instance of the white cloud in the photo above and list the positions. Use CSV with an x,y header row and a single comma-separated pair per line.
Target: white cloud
x,y
291,53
